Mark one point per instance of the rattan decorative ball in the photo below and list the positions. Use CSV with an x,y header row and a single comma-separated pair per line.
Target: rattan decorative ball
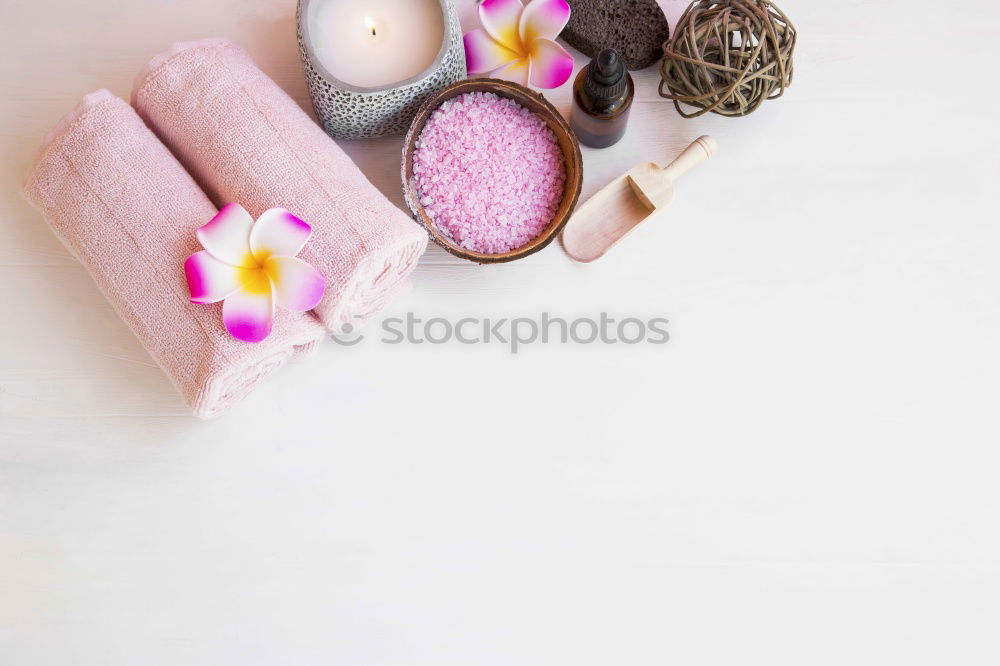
x,y
728,57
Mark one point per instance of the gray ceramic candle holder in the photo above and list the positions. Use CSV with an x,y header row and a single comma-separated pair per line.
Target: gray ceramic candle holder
x,y
350,112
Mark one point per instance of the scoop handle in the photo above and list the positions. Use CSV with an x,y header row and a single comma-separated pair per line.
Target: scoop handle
x,y
699,151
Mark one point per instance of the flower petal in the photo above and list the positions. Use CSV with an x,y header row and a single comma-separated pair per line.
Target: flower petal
x,y
297,285
484,54
518,71
278,232
227,236
249,312
551,64
543,18
210,280
502,19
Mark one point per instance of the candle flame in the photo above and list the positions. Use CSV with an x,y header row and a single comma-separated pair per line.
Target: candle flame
x,y
370,24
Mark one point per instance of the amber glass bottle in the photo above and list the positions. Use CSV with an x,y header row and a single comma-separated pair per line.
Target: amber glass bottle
x,y
602,99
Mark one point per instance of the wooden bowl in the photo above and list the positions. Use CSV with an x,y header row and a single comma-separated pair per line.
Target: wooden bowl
x,y
529,100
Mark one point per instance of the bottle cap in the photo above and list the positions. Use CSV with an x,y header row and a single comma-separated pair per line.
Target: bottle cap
x,y
606,77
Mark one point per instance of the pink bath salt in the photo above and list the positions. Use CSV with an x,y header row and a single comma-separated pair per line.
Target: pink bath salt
x,y
489,172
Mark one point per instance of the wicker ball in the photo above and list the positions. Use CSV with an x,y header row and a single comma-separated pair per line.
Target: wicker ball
x,y
728,56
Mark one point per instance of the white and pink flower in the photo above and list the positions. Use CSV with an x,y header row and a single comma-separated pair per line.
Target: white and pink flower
x,y
251,267
517,42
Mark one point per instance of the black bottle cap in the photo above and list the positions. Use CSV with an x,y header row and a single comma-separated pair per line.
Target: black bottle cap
x,y
606,77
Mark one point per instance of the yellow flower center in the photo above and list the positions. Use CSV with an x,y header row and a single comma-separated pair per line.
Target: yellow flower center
x,y
257,281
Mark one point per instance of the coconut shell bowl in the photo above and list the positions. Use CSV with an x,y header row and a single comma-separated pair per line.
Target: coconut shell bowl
x,y
535,103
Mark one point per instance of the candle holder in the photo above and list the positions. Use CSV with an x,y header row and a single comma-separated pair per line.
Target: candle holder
x,y
347,111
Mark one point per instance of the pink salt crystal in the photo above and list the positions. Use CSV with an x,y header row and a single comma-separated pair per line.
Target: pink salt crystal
x,y
493,170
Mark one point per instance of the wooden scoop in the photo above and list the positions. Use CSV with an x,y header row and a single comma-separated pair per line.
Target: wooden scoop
x,y
606,217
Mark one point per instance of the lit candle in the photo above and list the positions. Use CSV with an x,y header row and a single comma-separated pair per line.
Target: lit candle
x,y
370,63
376,43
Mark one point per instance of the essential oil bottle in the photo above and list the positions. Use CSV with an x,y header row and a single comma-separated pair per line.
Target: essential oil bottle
x,y
602,99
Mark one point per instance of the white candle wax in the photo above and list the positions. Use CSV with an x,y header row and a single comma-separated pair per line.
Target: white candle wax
x,y
376,43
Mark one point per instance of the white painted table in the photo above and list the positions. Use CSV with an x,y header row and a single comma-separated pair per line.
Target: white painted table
x,y
805,474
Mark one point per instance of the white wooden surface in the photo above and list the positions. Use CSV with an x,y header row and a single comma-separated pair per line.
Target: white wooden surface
x,y
805,474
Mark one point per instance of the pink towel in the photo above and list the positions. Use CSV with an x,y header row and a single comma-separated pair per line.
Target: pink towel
x,y
245,140
128,211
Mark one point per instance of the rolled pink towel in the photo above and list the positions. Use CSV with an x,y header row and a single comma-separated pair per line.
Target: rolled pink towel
x,y
128,211
245,140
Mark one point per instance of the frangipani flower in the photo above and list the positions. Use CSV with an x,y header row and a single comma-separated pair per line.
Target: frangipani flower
x,y
518,43
251,267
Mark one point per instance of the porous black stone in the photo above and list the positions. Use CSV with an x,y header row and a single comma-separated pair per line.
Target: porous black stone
x,y
636,29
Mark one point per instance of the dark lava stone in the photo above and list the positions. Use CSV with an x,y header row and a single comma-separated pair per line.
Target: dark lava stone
x,y
636,29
